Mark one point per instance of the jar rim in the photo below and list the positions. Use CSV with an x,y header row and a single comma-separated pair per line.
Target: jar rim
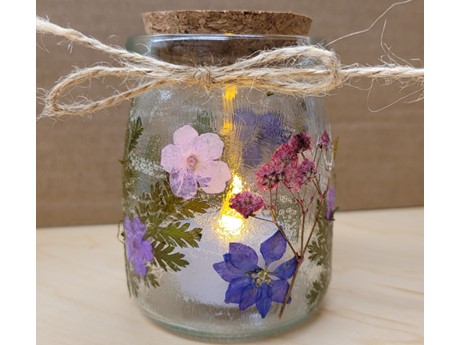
x,y
211,37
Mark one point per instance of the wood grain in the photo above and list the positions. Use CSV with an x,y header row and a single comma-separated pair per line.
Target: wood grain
x,y
375,297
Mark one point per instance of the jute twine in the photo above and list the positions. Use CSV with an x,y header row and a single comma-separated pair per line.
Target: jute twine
x,y
279,70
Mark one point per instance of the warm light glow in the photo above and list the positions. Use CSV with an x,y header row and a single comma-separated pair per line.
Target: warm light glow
x,y
227,101
231,223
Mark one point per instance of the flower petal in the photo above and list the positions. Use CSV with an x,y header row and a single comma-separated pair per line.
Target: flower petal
x,y
227,271
264,299
286,269
171,158
183,183
242,257
185,135
279,290
208,146
273,248
235,289
213,176
248,297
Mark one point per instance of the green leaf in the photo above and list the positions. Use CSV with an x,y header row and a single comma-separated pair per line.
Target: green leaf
x,y
320,248
203,122
160,204
134,132
165,257
150,280
176,234
318,288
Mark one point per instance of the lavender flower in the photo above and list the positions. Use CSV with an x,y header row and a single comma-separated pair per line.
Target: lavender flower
x,y
330,204
250,284
255,129
138,250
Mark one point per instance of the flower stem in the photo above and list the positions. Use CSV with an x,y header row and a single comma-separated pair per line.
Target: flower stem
x,y
281,230
288,293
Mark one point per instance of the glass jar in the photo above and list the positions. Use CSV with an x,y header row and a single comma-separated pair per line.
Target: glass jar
x,y
228,198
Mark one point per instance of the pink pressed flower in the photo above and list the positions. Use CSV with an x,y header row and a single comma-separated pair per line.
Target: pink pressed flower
x,y
300,142
297,176
192,160
307,170
268,176
284,156
292,178
247,203
324,142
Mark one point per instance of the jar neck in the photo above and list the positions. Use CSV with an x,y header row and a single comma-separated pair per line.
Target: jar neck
x,y
210,49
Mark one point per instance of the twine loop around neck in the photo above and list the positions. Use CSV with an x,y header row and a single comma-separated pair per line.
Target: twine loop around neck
x,y
295,70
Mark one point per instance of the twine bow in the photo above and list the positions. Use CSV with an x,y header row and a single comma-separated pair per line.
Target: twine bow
x,y
281,70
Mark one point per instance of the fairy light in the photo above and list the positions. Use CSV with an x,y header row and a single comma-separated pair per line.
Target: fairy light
x,y
231,223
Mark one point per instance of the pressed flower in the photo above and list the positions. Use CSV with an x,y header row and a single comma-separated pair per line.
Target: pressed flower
x,y
300,142
330,204
247,203
268,176
138,250
324,141
284,156
250,284
299,175
254,129
193,160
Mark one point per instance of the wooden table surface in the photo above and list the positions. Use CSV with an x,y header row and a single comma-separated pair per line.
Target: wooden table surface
x,y
375,296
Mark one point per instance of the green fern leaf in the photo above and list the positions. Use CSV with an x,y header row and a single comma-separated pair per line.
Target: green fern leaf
x,y
165,257
176,234
318,288
320,248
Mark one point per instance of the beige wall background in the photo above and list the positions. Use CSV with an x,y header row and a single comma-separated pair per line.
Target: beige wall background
x,y
380,161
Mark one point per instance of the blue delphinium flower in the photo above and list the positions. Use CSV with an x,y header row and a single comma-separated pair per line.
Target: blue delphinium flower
x,y
138,250
251,284
255,128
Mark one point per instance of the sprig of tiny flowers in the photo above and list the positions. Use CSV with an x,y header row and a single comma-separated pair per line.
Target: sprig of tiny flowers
x,y
293,166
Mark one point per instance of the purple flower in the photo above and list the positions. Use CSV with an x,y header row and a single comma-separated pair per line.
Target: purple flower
x,y
192,160
330,204
250,284
324,141
247,203
138,250
254,129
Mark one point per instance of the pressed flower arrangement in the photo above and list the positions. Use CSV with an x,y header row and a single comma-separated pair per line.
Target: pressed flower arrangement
x,y
228,202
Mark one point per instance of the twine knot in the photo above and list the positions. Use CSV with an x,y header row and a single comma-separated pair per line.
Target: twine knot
x,y
203,75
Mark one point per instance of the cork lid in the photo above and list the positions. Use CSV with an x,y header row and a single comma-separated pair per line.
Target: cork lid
x,y
225,22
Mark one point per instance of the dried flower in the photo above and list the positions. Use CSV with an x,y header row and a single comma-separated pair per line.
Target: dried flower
x,y
192,160
138,250
324,141
300,142
247,203
284,156
330,204
268,176
250,284
299,175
